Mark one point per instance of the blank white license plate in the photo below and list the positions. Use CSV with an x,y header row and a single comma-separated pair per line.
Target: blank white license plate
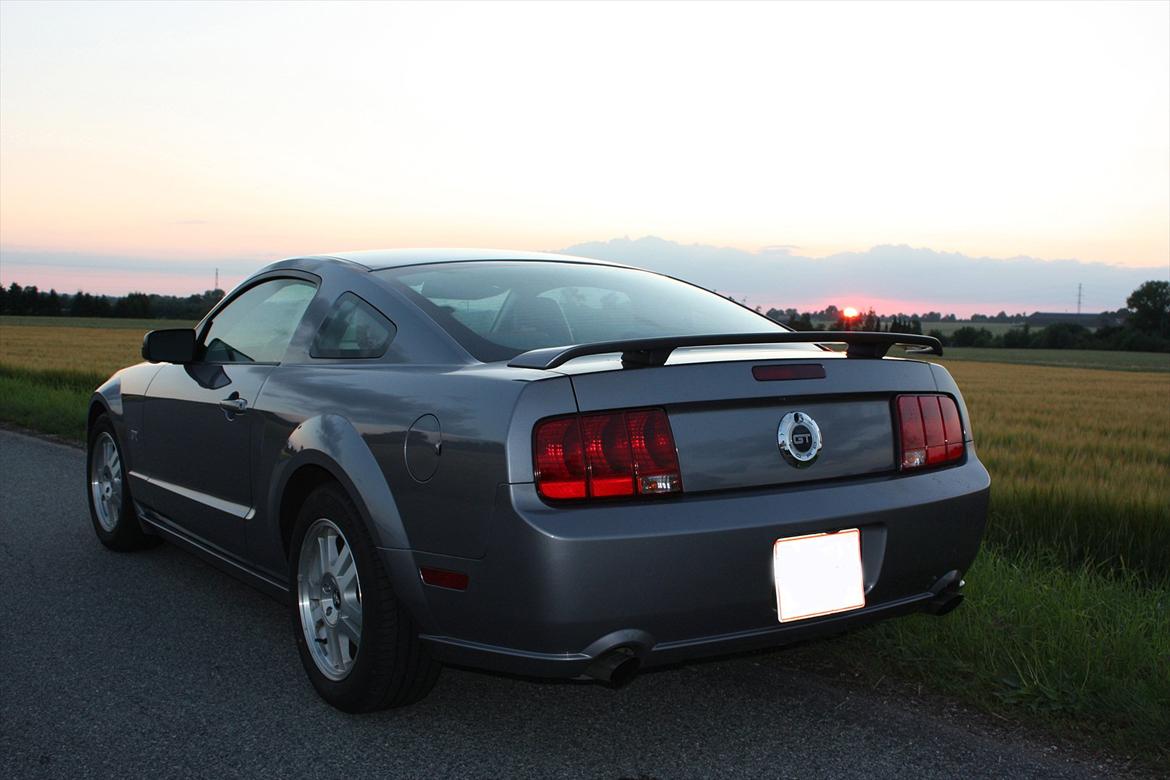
x,y
818,574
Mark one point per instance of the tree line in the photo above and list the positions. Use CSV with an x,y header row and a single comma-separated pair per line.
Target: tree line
x,y
31,302
1145,328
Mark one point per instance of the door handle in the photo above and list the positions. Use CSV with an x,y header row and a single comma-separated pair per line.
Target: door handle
x,y
233,404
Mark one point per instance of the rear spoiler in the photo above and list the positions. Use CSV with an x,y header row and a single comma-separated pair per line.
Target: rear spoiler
x,y
638,353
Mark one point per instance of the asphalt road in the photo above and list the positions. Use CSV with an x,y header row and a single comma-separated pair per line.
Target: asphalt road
x,y
157,664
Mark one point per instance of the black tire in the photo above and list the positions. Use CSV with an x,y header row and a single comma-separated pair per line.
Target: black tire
x,y
391,667
125,533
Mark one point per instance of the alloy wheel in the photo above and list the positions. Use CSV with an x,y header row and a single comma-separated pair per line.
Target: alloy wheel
x,y
105,481
330,598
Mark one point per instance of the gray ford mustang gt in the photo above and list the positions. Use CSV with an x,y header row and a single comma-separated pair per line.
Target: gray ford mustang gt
x,y
535,464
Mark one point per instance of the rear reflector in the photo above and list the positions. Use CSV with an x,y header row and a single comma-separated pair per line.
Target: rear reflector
x,y
622,453
442,578
781,373
930,433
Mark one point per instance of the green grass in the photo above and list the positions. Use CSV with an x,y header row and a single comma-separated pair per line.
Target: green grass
x,y
1037,642
50,401
92,322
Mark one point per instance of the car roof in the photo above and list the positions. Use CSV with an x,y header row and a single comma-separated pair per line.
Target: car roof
x,y
378,259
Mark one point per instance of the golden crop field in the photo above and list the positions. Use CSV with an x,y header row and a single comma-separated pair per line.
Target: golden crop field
x,y
82,349
1079,457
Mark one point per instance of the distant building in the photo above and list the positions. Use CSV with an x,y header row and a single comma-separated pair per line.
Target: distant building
x,y
1105,319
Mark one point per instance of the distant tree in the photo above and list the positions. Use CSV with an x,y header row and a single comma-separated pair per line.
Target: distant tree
x,y
968,336
1062,335
136,305
1149,305
31,300
12,299
1018,338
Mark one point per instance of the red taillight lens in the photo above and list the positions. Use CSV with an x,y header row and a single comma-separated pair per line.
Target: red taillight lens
x,y
654,455
929,430
622,453
559,458
607,452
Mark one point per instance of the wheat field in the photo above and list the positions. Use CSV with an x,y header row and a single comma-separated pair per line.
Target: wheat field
x,y
1079,457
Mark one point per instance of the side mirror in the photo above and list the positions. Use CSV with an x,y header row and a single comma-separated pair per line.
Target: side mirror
x,y
174,345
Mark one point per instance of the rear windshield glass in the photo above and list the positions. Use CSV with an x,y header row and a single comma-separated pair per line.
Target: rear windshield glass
x,y
497,310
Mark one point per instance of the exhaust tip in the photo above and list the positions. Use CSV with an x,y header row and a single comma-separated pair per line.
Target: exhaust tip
x,y
941,607
615,668
625,672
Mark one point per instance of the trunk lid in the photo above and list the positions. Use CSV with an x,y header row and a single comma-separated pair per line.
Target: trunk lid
x,y
725,420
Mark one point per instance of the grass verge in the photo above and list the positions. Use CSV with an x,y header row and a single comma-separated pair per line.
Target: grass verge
x,y
52,402
1038,642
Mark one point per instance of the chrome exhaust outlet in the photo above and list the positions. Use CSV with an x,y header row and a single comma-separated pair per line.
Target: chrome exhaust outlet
x,y
615,668
947,594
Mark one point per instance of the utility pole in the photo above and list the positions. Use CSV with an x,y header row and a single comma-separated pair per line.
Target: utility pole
x,y
217,286
1078,297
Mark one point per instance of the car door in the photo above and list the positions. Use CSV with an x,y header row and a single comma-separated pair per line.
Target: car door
x,y
198,428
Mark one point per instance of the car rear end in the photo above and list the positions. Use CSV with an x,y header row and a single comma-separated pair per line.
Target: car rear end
x,y
607,544
685,477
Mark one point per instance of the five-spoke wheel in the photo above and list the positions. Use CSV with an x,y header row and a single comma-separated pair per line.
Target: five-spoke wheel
x,y
357,642
105,481
330,597
110,507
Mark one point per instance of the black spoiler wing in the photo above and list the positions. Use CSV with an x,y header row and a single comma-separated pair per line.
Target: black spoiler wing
x,y
637,353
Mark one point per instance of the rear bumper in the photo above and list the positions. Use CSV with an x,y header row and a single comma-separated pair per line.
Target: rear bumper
x,y
690,576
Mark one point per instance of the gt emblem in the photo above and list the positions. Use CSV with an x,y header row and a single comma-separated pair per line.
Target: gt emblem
x,y
799,438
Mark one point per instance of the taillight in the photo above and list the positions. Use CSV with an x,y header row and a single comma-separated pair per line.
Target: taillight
x,y
929,430
623,453
559,459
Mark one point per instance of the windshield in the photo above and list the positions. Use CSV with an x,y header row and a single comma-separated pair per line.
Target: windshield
x,y
497,310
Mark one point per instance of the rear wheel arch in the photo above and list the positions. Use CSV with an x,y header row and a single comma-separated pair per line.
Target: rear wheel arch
x,y
329,447
297,488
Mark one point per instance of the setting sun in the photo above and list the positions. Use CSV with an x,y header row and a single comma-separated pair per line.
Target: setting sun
x,y
850,313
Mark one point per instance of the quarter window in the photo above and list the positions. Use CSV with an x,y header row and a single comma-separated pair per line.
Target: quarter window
x,y
258,325
354,329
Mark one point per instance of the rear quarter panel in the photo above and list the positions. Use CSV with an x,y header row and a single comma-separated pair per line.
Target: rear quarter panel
x,y
448,513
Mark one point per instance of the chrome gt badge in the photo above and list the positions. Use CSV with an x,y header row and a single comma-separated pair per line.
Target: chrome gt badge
x,y
799,439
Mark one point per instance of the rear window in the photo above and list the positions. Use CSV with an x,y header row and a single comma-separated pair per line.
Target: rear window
x,y
354,329
497,310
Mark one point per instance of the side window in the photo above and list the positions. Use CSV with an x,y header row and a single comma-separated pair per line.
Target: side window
x,y
258,326
353,329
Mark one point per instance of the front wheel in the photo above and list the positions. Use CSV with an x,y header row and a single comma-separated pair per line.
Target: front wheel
x,y
110,508
356,642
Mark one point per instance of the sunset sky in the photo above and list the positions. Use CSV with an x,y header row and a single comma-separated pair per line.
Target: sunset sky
x,y
142,145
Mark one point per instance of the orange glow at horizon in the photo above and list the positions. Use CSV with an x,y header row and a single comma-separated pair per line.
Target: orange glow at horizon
x,y
850,313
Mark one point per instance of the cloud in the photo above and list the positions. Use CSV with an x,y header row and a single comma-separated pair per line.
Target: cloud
x,y
890,278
